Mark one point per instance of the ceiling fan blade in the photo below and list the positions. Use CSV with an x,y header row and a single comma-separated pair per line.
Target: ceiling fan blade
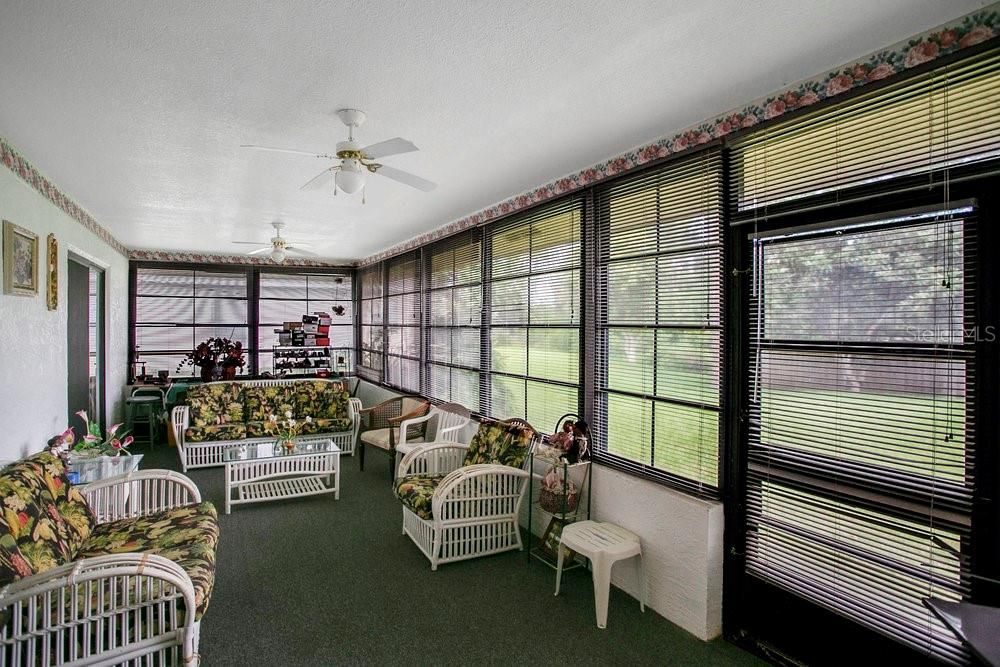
x,y
260,251
389,147
321,180
267,243
288,150
300,251
406,178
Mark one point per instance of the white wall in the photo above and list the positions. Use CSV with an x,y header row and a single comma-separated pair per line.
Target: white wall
x,y
681,540
33,368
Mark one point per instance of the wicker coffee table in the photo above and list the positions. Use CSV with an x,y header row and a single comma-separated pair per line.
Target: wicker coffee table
x,y
257,471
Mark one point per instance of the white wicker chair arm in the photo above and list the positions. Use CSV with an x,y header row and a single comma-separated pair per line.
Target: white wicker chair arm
x,y
139,493
495,489
87,596
412,421
354,408
432,458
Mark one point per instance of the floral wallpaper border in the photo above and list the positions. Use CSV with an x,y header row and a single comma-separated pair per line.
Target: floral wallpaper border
x,y
954,36
209,258
30,175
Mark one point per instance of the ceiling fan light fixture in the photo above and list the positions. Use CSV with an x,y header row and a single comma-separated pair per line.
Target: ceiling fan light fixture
x,y
351,176
278,255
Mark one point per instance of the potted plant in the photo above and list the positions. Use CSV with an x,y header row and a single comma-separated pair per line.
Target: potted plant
x,y
216,355
287,430
95,455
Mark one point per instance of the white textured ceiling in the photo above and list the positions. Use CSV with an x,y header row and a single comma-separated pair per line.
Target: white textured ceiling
x,y
137,109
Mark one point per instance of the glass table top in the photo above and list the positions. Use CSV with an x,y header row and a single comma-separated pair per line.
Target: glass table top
x,y
270,449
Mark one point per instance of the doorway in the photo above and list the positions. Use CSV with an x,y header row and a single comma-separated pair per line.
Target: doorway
x,y
85,307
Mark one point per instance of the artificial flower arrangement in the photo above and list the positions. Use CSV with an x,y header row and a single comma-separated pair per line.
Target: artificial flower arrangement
x,y
114,443
216,352
559,493
288,428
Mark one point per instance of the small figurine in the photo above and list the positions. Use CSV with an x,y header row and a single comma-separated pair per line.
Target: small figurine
x,y
579,449
563,440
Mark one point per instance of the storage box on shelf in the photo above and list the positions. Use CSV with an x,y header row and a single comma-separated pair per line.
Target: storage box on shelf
x,y
566,501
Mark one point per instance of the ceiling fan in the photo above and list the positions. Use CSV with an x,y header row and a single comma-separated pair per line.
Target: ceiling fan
x,y
355,161
278,247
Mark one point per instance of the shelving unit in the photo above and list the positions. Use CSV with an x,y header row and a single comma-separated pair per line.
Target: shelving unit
x,y
336,360
541,462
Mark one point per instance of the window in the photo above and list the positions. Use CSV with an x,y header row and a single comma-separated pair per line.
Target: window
x,y
659,323
534,310
286,297
861,411
176,309
402,358
861,384
454,309
371,306
946,118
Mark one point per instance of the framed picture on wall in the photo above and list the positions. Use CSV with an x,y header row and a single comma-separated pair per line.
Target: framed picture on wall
x,y
20,260
52,273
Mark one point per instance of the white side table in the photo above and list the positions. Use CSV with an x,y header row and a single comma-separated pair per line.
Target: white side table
x,y
604,544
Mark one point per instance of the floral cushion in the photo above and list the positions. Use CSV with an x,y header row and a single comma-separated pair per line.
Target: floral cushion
x,y
215,403
416,492
186,535
499,442
218,432
321,399
326,426
261,402
261,429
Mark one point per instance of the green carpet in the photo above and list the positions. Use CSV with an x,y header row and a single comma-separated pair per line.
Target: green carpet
x,y
318,581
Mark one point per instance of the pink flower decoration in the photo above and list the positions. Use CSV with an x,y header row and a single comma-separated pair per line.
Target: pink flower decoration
x,y
881,71
68,436
808,98
839,84
980,33
748,120
679,144
922,53
947,37
774,109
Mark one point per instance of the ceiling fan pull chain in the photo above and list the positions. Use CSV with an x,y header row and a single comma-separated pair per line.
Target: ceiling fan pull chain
x,y
364,188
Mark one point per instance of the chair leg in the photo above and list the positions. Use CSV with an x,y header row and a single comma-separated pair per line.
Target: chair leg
x,y
559,566
602,589
642,584
361,455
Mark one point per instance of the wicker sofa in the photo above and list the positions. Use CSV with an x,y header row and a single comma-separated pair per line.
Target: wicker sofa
x,y
220,414
114,571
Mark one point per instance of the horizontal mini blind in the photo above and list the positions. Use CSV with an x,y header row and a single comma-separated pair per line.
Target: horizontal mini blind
x,y
454,292
948,117
861,412
370,356
403,313
659,323
534,309
176,309
286,297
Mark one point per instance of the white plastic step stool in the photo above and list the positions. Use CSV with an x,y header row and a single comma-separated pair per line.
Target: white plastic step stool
x,y
604,544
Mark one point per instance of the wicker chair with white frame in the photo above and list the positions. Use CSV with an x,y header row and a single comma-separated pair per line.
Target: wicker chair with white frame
x,y
445,423
463,501
104,606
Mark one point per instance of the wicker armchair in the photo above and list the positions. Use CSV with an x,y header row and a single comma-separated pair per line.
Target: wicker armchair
x,y
391,422
463,501
103,606
445,423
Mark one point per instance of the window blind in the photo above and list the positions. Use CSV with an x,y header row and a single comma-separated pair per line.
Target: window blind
x,y
534,310
286,297
861,412
452,325
659,323
403,314
949,117
178,308
370,359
